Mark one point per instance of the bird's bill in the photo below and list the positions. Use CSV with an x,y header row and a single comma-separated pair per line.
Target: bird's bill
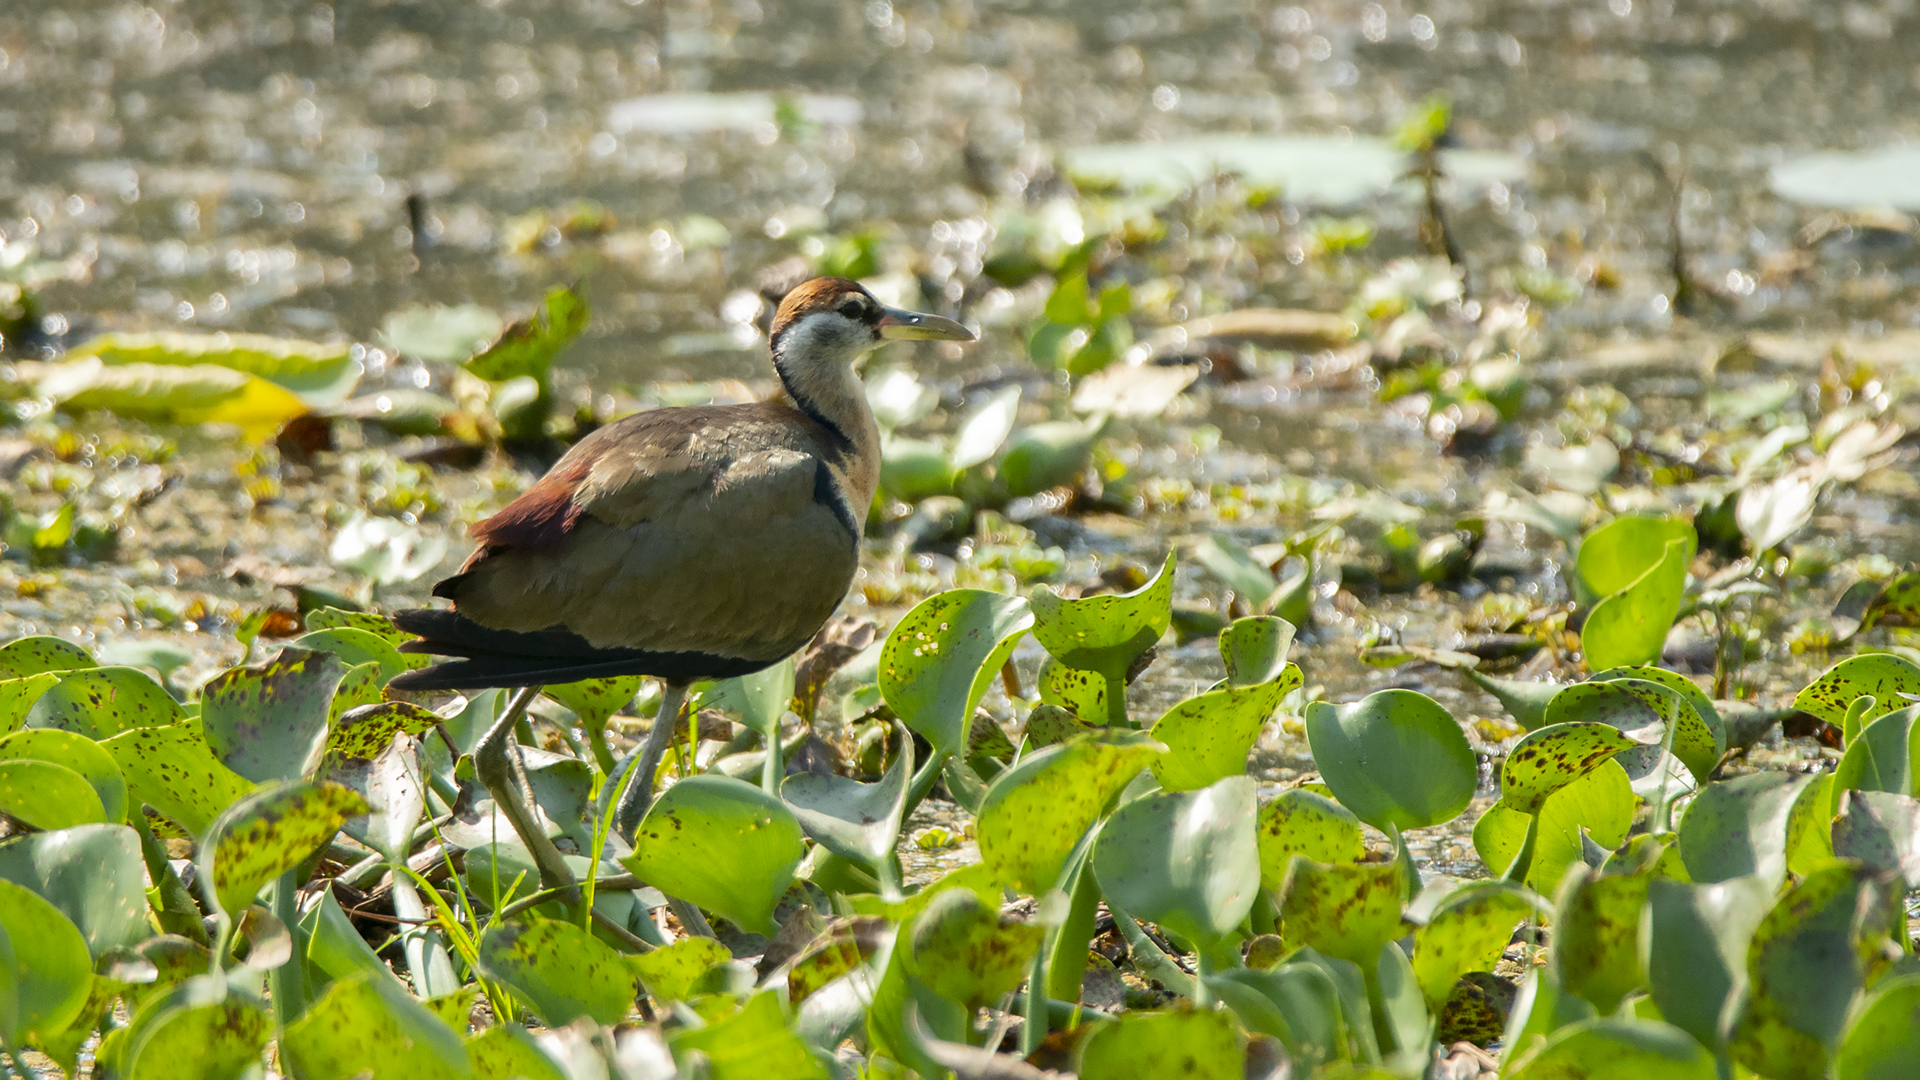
x,y
898,325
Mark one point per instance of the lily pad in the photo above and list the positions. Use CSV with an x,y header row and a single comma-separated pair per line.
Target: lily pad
x,y
1394,758
1035,813
941,657
560,970
1185,860
720,843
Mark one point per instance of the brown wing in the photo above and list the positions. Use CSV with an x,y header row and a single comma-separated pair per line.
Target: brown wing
x,y
718,530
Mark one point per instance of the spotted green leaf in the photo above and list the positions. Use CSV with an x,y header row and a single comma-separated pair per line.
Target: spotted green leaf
x,y
1194,1044
527,346
269,721
594,701
561,971
1879,757
752,1044
1348,911
1302,822
1630,626
1082,693
198,1031
365,731
1186,860
1035,812
509,1052
1740,826
967,952
940,658
268,833
103,702
671,973
1255,649
1880,676
360,685
333,618
34,655
1468,931
1702,704
1618,1050
1551,758
1208,736
1601,802
1393,758
1882,830
172,770
1884,1041
1105,633
47,795
722,844
367,1025
17,697
1597,935
354,647
76,752
334,947
52,971
1696,949
1643,710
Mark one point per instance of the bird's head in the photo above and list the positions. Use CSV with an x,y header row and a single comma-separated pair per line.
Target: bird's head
x,y
830,320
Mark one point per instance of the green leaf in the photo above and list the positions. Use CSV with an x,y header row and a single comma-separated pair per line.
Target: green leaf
x,y
982,432
269,721
851,819
1255,649
369,1026
561,971
1809,960
173,394
1348,911
509,1052
1882,830
364,732
671,973
1601,802
334,946
47,795
1296,1003
103,702
1739,827
914,469
595,701
76,752
967,952
1526,702
172,770
1044,456
1208,736
1393,758
527,346
354,646
1105,633
440,333
1880,676
1618,1050
752,1044
92,873
35,655
1617,554
1644,711
1186,860
320,374
1082,693
1884,1041
268,833
1551,758
1236,566
199,1031
52,970
940,658
1192,1044
1596,943
1468,931
1679,684
1697,948
1036,812
1302,822
17,697
720,843
1630,626
1879,757
760,699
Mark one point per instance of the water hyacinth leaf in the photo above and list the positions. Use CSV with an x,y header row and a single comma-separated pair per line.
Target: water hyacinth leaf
x,y
720,843
1526,702
1879,758
561,971
1882,830
967,952
1618,1050
1349,911
1884,1040
671,973
333,618
1105,633
1238,568
1295,1003
322,374
1883,677
369,1025
46,795
851,819
1630,627
92,873
898,398
527,346
1551,758
385,549
51,969
510,1052
190,1039
1307,823
1035,812
1192,1043
1082,693
1394,758
1809,960
354,647
752,1044
940,658
269,832
760,699
269,721
36,655
1596,945
17,698
1255,649
1643,710
1185,860
914,469
173,394
360,685
595,701
103,702
334,947
364,732
1739,827
1810,828
1208,736
1049,455
1468,931
1617,554
441,333
1601,802
1702,704
1696,948
982,432
172,770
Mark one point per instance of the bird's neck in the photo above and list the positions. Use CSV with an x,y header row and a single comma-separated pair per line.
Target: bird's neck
x,y
826,389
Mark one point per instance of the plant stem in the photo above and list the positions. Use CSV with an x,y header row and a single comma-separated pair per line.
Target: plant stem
x,y
639,795
1117,702
1067,954
1377,1004
923,779
289,981
774,767
494,769
1523,861
1149,958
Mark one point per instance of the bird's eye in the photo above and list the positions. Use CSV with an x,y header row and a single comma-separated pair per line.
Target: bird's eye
x,y
853,309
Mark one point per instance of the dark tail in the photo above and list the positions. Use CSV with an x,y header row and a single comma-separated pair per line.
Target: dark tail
x,y
503,658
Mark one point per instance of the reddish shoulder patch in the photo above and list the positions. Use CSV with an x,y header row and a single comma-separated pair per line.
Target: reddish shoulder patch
x,y
542,516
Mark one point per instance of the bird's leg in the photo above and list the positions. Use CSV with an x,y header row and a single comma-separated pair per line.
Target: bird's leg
x,y
639,793
495,770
